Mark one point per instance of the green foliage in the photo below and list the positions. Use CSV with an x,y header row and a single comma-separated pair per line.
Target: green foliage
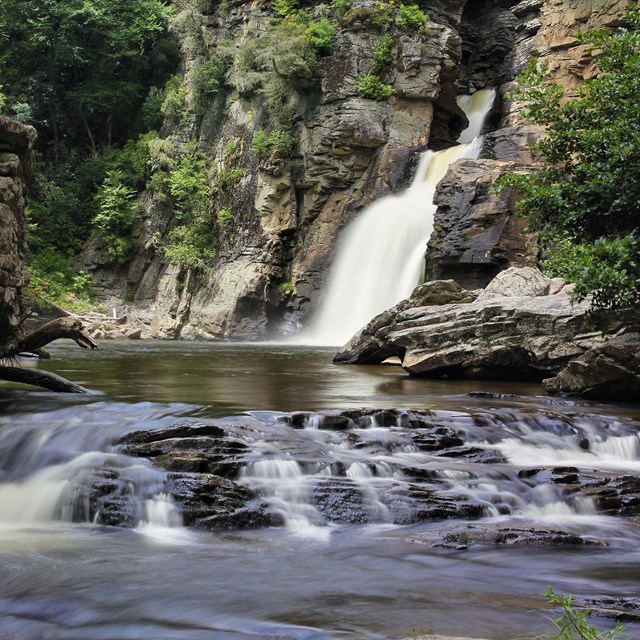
x,y
340,7
286,288
206,76
53,278
152,109
83,66
190,247
185,179
607,268
224,217
370,86
173,103
383,54
117,211
319,34
572,623
411,17
189,185
227,178
275,145
284,8
586,200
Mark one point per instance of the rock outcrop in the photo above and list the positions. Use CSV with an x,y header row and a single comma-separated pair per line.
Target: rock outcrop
x,y
16,168
522,326
286,213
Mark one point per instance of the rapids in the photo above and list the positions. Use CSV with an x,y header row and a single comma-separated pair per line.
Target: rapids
x,y
66,574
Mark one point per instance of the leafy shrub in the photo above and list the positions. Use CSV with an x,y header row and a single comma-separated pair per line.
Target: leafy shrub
x,y
284,8
370,86
224,217
189,185
319,34
411,17
277,144
152,109
117,211
206,76
340,7
173,103
228,178
383,53
189,247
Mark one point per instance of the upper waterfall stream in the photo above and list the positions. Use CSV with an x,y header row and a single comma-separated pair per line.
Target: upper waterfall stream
x,y
380,255
453,515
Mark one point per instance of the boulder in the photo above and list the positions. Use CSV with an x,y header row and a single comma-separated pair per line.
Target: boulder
x,y
608,371
515,330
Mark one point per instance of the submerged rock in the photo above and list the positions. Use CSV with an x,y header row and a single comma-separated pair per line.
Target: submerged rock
x,y
471,535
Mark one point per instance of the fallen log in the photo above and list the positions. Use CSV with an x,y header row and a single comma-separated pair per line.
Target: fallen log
x,y
34,342
44,379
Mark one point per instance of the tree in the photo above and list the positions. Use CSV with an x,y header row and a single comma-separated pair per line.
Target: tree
x,y
586,200
82,66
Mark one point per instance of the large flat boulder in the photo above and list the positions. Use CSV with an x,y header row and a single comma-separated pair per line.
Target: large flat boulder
x,y
523,326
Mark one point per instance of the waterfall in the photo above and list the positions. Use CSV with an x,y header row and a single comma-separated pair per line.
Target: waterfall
x,y
380,255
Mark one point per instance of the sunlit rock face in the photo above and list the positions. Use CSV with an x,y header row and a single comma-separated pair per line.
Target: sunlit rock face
x,y
16,167
286,215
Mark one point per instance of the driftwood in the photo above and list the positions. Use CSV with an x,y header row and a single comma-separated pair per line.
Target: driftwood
x,y
34,342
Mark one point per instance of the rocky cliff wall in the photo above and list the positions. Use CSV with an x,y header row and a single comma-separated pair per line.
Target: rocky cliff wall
x,y
16,167
273,255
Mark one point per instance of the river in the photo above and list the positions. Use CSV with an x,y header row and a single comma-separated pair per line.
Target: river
x,y
63,580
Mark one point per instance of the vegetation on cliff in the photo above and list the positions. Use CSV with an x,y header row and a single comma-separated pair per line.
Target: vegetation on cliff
x,y
586,200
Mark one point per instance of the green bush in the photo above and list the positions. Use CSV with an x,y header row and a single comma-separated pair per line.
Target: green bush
x,y
411,18
383,53
173,103
189,185
224,217
284,8
206,76
370,86
319,34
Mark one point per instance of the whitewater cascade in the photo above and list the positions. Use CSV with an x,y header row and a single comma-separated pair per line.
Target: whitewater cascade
x,y
380,256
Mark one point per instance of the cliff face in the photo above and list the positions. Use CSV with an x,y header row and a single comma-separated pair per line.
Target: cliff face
x,y
16,167
285,213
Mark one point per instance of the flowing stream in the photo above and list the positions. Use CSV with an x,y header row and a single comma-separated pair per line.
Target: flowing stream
x,y
380,255
405,504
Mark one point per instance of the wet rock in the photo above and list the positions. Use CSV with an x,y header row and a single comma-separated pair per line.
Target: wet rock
x,y
211,502
197,447
103,496
187,429
621,609
471,535
415,503
340,501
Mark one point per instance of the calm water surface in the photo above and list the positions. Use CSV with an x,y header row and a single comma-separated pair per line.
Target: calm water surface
x,y
66,581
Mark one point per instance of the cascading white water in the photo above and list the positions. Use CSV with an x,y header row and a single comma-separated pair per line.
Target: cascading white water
x,y
380,256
